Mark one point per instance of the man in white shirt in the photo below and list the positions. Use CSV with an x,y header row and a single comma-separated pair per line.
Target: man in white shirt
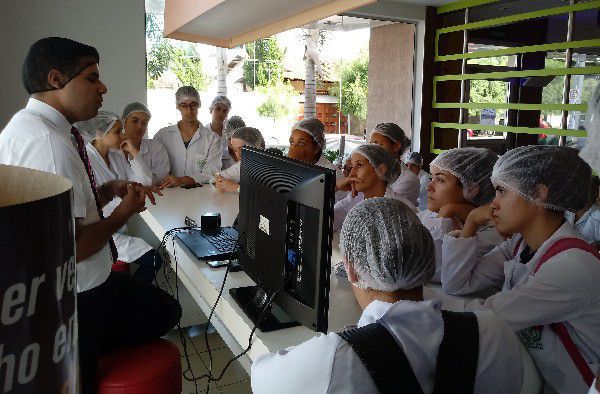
x,y
114,310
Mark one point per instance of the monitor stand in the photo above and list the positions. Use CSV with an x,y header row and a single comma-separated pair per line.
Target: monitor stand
x,y
252,299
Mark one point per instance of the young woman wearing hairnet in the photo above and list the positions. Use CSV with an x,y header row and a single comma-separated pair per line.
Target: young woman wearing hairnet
x,y
391,137
388,255
109,163
373,171
228,180
136,146
194,150
414,162
231,125
550,275
460,183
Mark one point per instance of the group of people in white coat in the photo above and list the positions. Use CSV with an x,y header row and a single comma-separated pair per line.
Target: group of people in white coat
x,y
515,233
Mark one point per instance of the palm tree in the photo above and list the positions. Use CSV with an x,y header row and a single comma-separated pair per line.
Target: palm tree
x,y
221,71
313,68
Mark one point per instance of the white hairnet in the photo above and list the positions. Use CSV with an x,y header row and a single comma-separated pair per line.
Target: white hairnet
x,y
377,155
186,93
393,132
591,150
473,167
386,244
314,128
97,126
415,158
220,100
250,136
135,107
559,168
232,124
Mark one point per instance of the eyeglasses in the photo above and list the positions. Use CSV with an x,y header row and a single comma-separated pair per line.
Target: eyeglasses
x,y
191,106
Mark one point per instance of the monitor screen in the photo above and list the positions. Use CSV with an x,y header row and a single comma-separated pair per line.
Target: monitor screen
x,y
285,229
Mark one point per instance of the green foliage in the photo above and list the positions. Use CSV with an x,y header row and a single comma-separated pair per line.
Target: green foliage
x,y
167,54
483,91
355,85
267,70
278,102
331,155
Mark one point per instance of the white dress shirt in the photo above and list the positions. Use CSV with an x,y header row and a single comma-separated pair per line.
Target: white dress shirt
x,y
202,157
39,137
328,364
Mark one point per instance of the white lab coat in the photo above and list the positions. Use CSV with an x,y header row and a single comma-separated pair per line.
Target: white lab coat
x,y
424,179
156,160
226,160
200,160
588,225
486,238
565,289
232,172
593,389
39,137
129,248
328,364
345,205
407,185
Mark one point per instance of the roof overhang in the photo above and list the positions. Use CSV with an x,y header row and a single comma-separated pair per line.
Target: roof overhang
x,y
230,23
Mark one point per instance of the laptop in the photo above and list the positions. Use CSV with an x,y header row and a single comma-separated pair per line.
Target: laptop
x,y
217,245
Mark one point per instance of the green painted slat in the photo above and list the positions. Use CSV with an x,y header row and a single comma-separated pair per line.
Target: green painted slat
x,y
511,129
521,107
522,17
461,4
525,49
520,74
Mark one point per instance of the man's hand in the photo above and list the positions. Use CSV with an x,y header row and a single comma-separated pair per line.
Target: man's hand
x,y
128,148
133,202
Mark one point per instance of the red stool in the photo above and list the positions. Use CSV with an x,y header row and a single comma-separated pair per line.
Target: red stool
x,y
120,266
152,368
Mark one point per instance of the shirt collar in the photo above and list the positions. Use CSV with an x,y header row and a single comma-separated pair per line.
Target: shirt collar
x,y
144,148
48,112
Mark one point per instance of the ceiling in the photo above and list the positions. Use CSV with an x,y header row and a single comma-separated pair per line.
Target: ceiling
x,y
229,23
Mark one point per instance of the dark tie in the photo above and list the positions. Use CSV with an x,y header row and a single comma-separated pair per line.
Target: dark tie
x,y
90,173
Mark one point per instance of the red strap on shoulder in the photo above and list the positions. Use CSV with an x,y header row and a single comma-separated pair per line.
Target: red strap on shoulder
x,y
565,244
560,329
517,246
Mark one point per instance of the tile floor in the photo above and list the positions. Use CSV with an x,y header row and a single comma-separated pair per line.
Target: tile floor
x,y
235,380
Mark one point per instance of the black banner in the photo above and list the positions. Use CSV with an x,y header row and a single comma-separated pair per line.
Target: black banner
x,y
38,321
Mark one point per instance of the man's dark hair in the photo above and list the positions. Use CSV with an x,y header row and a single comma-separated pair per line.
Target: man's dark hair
x,y
67,56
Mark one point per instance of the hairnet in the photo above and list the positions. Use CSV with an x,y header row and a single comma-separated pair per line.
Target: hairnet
x,y
559,168
314,128
97,126
415,158
473,167
135,107
250,136
386,244
377,155
393,132
186,93
591,150
232,124
220,100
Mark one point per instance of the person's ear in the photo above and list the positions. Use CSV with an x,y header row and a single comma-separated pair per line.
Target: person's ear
x,y
472,191
382,169
541,192
352,275
56,79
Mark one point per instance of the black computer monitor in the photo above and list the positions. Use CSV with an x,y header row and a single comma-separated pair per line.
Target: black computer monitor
x,y
285,229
